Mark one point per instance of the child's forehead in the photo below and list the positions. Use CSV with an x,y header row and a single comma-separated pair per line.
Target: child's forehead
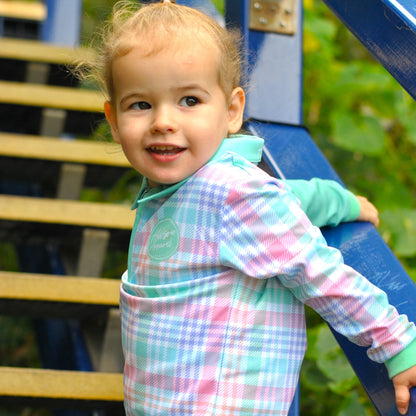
x,y
181,37
180,44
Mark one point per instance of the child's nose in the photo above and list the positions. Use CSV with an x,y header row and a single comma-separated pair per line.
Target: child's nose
x,y
164,121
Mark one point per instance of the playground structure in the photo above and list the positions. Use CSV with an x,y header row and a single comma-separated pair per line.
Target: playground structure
x,y
62,242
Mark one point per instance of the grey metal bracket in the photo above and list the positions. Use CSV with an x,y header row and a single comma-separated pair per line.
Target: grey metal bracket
x,y
278,16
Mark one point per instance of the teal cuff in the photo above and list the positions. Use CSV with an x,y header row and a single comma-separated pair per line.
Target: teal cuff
x,y
354,207
402,361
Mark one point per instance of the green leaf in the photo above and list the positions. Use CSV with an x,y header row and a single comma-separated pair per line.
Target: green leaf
x,y
406,113
333,363
361,134
322,28
351,406
410,126
321,33
399,227
312,377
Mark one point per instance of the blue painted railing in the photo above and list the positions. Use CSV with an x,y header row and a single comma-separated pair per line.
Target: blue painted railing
x,y
387,28
289,150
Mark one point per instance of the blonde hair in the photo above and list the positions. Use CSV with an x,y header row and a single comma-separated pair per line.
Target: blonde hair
x,y
158,26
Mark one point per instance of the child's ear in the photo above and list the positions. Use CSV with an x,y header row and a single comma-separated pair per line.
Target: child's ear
x,y
111,116
236,110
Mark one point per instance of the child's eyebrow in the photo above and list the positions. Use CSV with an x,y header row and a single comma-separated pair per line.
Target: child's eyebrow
x,y
130,96
192,87
182,89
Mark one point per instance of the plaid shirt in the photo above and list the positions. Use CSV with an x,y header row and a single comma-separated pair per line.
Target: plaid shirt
x,y
212,303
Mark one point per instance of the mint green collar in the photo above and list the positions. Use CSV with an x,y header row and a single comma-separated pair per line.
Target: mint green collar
x,y
249,147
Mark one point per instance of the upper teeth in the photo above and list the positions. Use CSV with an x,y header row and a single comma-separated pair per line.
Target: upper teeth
x,y
163,148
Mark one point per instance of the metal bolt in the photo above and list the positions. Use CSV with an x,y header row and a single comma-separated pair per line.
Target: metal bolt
x,y
263,20
257,6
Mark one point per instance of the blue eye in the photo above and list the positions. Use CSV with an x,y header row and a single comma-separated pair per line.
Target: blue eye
x,y
141,105
189,101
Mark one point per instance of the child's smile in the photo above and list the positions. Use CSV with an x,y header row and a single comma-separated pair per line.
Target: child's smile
x,y
169,112
165,153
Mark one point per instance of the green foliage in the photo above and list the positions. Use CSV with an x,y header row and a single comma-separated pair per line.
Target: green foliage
x,y
8,259
364,122
400,230
328,383
17,345
349,128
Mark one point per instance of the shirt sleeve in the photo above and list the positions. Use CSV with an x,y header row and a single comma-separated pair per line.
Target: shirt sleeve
x,y
325,202
265,235
400,362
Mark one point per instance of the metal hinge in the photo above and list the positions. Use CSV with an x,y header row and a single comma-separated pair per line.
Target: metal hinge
x,y
277,16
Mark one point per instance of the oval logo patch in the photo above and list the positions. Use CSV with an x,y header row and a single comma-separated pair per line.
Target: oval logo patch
x,y
163,240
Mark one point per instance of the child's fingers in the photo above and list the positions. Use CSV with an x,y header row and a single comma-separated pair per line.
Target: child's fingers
x,y
368,212
402,398
403,382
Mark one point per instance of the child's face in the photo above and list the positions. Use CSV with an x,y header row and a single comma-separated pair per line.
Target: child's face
x,y
169,112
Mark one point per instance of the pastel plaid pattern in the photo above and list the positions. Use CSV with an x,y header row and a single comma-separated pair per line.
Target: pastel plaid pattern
x,y
218,327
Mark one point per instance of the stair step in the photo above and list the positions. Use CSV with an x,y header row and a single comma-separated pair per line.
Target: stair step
x,y
41,160
21,19
44,287
52,211
34,220
36,51
41,295
51,148
37,62
24,10
51,97
52,387
49,110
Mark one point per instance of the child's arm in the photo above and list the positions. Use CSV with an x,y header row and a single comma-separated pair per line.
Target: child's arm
x,y
316,275
326,202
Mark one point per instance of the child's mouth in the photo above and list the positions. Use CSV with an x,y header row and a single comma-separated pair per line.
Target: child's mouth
x,y
165,150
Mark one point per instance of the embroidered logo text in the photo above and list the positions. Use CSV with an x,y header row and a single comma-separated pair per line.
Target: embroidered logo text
x,y
163,240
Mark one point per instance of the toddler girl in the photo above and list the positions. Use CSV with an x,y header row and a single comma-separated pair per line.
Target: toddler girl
x,y
222,258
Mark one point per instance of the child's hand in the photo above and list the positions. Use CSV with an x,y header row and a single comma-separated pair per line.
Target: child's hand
x,y
402,384
368,212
